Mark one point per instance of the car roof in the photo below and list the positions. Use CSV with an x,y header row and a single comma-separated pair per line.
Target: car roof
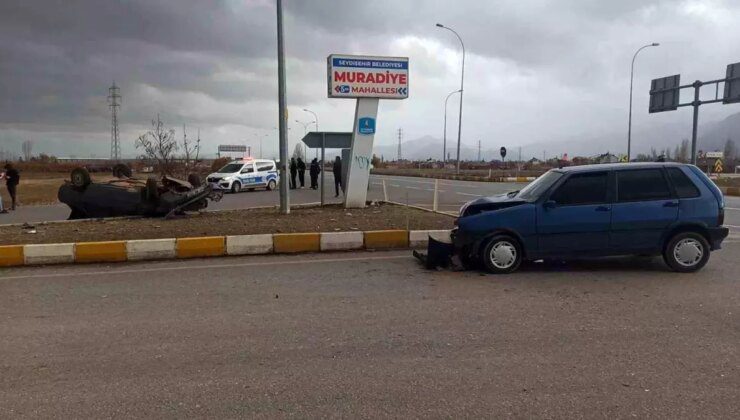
x,y
617,166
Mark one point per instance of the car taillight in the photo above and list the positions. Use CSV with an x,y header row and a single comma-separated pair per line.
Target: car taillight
x,y
721,217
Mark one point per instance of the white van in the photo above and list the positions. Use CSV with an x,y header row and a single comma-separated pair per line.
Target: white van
x,y
247,174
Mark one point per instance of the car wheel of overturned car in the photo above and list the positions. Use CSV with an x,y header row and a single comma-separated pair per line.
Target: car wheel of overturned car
x,y
80,178
686,252
121,170
194,180
502,254
236,187
271,185
152,189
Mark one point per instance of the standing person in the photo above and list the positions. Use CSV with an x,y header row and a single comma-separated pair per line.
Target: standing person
x,y
337,170
12,178
2,209
293,171
301,172
314,171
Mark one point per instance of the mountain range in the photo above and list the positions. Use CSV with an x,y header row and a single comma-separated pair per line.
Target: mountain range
x,y
712,136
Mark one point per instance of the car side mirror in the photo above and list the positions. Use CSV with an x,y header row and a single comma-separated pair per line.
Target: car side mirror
x,y
549,204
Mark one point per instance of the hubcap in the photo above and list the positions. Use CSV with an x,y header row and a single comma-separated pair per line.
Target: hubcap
x,y
503,254
688,252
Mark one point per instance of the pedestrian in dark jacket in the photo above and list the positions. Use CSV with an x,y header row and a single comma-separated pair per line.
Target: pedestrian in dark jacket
x,y
293,172
314,171
337,170
301,172
12,178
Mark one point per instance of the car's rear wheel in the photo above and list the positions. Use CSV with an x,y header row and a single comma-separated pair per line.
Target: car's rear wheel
x,y
80,178
502,254
271,185
236,187
194,180
686,252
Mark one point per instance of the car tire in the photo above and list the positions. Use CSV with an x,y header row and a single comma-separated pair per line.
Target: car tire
x,y
236,187
686,252
271,185
121,170
502,254
152,189
80,178
194,180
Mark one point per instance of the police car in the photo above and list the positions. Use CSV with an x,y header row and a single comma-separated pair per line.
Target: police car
x,y
246,173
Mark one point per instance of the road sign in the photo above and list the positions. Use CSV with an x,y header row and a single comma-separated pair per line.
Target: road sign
x,y
238,148
714,155
732,84
718,166
664,93
503,152
366,126
356,76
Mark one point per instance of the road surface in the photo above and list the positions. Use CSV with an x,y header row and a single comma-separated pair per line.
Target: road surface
x,y
364,334
418,191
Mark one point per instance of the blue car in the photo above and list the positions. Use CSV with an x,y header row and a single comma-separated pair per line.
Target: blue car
x,y
666,209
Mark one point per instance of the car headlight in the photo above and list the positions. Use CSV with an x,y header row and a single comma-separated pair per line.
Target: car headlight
x,y
228,178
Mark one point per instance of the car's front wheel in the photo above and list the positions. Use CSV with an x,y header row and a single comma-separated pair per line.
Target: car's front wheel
x,y
502,254
236,187
686,252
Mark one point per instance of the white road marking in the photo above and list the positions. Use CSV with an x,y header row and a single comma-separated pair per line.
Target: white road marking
x,y
732,208
110,272
471,195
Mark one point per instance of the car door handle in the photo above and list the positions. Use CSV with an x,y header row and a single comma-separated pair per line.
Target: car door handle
x,y
603,208
670,204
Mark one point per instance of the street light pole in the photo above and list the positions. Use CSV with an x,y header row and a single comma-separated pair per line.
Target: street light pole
x,y
632,76
444,135
282,114
462,83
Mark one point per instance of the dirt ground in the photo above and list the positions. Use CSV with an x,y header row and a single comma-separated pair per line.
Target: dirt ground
x,y
41,188
236,222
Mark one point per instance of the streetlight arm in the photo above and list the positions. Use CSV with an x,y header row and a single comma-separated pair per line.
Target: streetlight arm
x,y
315,117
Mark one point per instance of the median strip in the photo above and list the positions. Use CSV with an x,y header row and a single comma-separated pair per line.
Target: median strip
x,y
212,246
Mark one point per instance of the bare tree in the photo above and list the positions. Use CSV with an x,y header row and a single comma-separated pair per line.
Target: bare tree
x,y
192,150
27,147
159,145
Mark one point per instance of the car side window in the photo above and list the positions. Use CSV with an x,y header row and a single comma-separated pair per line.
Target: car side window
x,y
682,184
248,169
642,185
264,167
578,189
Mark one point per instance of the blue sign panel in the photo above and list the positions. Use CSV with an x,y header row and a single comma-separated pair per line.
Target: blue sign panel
x,y
367,125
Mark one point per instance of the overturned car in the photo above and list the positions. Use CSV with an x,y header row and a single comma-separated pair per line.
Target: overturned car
x,y
127,196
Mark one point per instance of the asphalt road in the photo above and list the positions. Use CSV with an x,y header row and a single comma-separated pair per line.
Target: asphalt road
x,y
364,334
417,191
411,190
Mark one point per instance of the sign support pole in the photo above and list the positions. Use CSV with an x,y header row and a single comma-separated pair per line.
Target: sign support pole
x,y
358,167
696,103
323,166
283,115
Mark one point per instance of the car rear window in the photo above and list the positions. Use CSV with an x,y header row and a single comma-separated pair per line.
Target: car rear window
x,y
587,188
642,185
683,185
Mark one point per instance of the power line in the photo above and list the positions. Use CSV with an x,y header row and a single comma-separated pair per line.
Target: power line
x,y
114,102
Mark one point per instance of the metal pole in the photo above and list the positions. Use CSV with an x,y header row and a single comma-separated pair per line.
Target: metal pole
x,y
462,84
282,117
316,121
444,135
436,187
323,165
632,76
696,103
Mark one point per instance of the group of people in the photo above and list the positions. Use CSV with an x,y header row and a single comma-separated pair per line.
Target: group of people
x,y
298,168
12,177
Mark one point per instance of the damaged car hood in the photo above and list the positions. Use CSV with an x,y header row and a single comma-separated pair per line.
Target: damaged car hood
x,y
484,204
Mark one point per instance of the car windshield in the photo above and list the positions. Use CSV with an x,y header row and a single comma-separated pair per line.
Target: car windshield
x,y
532,191
230,168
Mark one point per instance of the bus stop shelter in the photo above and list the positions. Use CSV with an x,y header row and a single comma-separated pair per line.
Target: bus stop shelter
x,y
328,140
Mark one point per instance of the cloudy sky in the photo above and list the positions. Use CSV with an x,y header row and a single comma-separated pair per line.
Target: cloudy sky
x,y
537,71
